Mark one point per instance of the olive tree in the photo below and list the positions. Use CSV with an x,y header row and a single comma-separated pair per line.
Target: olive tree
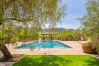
x,y
91,22
27,13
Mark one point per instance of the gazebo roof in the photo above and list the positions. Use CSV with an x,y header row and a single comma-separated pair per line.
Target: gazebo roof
x,y
47,33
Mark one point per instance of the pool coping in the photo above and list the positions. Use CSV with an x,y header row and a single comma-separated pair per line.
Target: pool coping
x,y
41,48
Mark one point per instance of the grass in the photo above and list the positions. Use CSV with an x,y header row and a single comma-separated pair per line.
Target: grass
x,y
58,60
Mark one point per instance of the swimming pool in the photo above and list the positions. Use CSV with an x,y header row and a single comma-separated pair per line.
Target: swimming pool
x,y
44,44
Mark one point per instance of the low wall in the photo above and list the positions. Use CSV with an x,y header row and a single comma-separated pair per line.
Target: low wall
x,y
1,55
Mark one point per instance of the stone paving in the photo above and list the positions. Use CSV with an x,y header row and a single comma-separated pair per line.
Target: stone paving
x,y
6,63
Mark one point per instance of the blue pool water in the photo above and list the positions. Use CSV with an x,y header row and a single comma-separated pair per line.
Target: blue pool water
x,y
44,44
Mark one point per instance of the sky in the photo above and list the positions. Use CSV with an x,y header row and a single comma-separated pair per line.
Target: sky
x,y
74,10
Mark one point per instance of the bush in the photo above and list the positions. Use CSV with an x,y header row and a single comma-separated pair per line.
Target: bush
x,y
70,36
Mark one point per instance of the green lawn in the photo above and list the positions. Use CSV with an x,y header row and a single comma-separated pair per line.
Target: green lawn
x,y
60,60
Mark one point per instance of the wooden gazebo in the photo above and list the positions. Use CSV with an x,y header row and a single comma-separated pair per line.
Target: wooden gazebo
x,y
48,36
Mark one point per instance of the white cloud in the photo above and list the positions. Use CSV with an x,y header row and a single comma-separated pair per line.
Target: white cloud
x,y
68,26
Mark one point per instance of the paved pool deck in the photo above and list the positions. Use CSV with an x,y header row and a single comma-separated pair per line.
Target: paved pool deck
x,y
75,50
6,63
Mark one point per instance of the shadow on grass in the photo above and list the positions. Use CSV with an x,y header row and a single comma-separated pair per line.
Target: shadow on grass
x,y
44,60
92,61
57,60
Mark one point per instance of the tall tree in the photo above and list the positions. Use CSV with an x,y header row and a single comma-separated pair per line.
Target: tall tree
x,y
27,12
91,22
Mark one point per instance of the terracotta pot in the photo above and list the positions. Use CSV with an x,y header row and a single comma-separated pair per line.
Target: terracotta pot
x,y
98,53
87,48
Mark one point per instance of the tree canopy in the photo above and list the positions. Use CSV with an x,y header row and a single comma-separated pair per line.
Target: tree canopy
x,y
30,10
20,18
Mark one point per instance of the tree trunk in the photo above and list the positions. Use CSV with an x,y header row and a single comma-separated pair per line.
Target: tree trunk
x,y
6,53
